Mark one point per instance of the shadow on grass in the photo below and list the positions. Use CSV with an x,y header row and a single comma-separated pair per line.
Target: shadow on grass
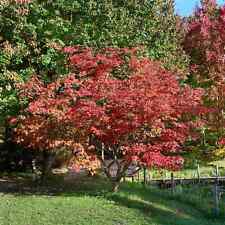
x,y
194,200
94,186
157,212
155,205
54,186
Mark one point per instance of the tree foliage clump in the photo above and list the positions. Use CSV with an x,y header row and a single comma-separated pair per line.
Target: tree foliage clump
x,y
30,39
108,23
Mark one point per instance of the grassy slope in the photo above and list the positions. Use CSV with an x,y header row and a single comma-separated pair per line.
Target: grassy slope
x,y
90,203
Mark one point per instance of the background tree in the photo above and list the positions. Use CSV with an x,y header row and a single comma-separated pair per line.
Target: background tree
x,y
205,44
127,24
29,44
30,38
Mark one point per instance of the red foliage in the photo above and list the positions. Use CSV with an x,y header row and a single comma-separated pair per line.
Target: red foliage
x,y
205,43
43,124
142,114
221,141
143,118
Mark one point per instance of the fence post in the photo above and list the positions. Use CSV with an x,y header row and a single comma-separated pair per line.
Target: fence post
x,y
165,175
144,182
217,171
172,183
198,173
216,198
149,176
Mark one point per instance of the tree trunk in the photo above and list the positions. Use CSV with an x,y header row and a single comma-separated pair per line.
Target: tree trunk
x,y
115,186
48,159
114,171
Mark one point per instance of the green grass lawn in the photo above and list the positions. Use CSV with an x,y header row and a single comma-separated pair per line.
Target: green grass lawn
x,y
89,202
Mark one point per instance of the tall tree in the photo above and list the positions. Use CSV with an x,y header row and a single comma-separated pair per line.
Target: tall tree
x,y
205,44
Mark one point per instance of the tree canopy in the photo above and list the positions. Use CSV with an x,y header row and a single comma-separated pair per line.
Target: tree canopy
x,y
144,118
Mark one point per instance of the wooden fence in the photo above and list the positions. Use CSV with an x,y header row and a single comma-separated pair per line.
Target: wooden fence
x,y
217,182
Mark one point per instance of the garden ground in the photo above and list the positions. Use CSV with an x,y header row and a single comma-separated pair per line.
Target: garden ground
x,y
88,201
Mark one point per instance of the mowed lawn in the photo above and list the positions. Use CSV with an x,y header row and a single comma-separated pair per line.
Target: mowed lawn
x,y
89,202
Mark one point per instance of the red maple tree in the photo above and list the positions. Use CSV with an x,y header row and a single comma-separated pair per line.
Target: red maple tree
x,y
205,44
143,119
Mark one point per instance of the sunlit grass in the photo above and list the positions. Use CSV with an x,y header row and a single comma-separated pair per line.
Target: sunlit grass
x,y
89,202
